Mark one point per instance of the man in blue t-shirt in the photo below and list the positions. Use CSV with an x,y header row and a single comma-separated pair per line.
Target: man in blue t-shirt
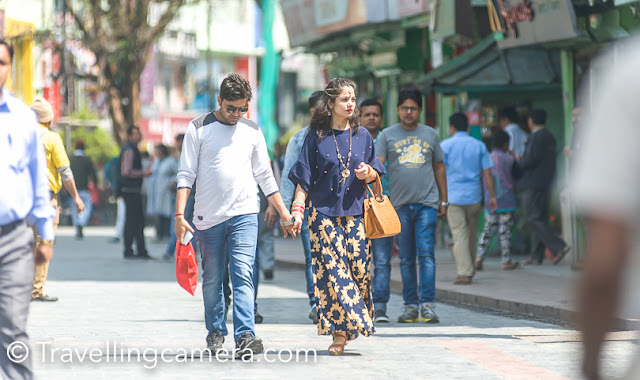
x,y
467,160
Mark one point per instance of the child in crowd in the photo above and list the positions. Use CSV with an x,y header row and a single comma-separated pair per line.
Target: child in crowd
x,y
504,171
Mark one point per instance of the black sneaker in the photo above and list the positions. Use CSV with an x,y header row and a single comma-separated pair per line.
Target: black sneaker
x,y
257,316
268,274
214,342
248,344
380,317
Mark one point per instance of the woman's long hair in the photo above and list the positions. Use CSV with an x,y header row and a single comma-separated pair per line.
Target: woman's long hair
x,y
321,118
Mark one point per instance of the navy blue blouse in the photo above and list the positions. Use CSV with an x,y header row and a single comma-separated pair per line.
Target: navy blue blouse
x,y
317,171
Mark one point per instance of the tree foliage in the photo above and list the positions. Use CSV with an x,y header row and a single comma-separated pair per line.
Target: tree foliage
x,y
120,35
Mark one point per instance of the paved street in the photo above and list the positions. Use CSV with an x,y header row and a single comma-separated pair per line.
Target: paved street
x,y
138,307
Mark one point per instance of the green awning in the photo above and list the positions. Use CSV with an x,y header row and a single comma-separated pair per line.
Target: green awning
x,y
486,67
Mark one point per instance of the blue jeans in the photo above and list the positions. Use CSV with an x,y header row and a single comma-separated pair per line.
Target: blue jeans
x,y
308,269
83,219
417,239
382,249
233,240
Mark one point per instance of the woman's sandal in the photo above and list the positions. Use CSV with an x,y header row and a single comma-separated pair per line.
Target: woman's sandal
x,y
337,347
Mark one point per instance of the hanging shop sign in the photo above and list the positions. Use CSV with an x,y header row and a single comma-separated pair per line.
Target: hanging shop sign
x,y
528,22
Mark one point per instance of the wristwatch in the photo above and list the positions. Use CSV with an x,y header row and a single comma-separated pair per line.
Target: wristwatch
x,y
289,223
444,204
46,242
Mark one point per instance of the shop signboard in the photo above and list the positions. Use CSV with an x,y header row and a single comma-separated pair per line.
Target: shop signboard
x,y
310,20
335,15
298,17
389,10
528,22
451,18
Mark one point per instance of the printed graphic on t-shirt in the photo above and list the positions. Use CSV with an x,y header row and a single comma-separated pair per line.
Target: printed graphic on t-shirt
x,y
412,151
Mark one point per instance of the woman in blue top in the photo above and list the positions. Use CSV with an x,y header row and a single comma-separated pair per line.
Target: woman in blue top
x,y
336,161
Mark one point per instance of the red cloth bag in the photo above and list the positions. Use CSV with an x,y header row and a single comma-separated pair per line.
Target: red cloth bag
x,y
186,267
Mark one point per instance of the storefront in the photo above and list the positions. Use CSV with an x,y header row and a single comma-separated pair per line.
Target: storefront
x,y
382,45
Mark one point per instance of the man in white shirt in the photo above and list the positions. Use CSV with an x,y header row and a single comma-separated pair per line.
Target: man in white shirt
x,y
517,136
227,153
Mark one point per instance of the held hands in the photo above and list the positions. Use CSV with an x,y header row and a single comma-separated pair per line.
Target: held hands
x,y
288,225
181,227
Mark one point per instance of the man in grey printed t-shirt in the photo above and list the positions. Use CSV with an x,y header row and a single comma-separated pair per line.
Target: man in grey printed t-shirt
x,y
418,187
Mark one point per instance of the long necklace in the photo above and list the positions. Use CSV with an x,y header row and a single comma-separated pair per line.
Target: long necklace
x,y
345,173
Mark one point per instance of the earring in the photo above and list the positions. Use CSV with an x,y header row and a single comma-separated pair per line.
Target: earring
x,y
329,112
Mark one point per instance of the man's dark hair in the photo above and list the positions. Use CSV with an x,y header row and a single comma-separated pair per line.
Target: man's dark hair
x,y
9,47
163,148
371,102
180,137
510,113
131,129
79,144
538,116
459,121
412,94
499,138
313,99
235,87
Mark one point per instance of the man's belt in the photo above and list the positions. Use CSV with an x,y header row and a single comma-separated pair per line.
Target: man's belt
x,y
10,227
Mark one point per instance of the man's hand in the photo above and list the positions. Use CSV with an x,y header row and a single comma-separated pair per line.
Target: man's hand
x,y
44,252
270,216
79,204
181,228
442,211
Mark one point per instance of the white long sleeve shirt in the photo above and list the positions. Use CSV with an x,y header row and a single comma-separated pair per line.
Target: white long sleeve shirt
x,y
226,161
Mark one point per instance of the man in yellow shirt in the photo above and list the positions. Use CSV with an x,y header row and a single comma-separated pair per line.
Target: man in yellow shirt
x,y
59,173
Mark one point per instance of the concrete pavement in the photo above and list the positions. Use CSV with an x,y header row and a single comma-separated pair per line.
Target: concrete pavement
x,y
120,319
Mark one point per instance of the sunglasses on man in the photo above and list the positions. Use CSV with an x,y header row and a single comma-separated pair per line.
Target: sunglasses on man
x,y
232,109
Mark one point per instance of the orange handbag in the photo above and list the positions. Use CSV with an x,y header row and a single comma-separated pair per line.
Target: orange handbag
x,y
380,218
186,267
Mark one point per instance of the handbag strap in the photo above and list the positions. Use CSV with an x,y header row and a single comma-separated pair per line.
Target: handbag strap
x,y
370,192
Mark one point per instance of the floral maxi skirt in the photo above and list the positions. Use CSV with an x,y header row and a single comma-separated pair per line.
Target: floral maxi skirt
x,y
341,261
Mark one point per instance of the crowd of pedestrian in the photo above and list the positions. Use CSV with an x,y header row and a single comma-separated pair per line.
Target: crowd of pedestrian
x,y
327,166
